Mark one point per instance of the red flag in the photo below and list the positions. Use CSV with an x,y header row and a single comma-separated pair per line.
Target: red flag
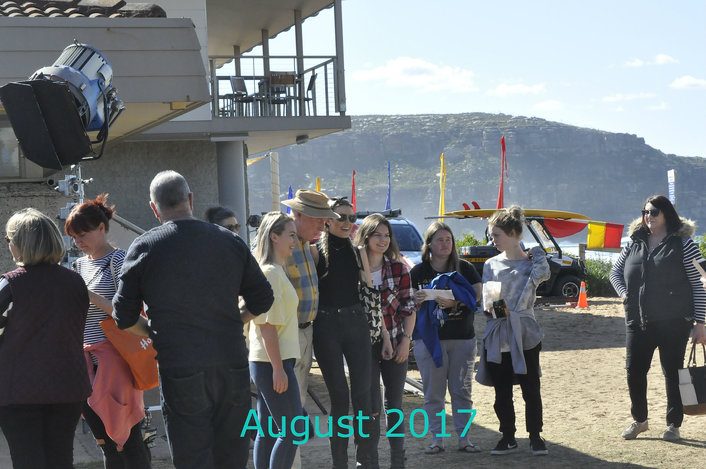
x,y
353,192
503,170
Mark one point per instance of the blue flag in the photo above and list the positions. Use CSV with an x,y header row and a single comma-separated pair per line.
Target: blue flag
x,y
389,188
289,196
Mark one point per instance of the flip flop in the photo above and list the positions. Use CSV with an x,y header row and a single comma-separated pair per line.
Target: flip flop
x,y
433,449
469,448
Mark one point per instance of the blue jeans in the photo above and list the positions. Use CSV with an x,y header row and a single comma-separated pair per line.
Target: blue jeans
x,y
276,452
40,436
205,410
456,371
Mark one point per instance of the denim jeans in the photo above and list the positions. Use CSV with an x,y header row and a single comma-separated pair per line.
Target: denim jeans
x,y
456,371
40,436
205,410
671,338
503,377
340,333
134,454
393,378
276,452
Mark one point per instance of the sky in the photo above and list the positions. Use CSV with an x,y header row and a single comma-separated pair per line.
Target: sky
x,y
627,66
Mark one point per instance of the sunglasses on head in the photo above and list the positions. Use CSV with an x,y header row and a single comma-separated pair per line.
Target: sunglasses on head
x,y
654,212
350,218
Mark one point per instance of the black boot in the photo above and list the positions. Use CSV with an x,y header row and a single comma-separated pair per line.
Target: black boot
x,y
339,452
365,455
397,458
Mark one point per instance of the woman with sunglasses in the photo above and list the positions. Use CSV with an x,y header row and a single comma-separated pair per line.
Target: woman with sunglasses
x,y
224,217
391,277
662,296
115,410
341,330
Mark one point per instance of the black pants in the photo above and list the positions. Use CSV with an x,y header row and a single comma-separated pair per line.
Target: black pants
x,y
503,375
670,337
134,454
40,436
338,334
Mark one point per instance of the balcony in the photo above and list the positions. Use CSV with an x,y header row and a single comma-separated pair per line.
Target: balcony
x,y
271,86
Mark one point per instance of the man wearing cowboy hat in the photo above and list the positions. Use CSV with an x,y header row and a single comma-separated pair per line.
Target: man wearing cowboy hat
x,y
310,210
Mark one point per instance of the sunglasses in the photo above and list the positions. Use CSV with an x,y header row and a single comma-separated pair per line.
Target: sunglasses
x,y
7,239
654,212
344,218
234,228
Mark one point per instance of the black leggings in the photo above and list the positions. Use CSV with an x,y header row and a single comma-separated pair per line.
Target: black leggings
x,y
134,455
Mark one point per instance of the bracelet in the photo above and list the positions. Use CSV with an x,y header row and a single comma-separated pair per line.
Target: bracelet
x,y
404,334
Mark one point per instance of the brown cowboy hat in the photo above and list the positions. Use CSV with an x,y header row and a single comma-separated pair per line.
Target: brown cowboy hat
x,y
311,203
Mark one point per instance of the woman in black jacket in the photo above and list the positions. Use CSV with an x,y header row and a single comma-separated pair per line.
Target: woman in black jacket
x,y
662,296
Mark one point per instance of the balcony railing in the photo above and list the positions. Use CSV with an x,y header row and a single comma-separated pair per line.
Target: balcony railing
x,y
261,86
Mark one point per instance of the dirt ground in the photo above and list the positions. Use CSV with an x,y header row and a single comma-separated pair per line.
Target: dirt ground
x,y
586,407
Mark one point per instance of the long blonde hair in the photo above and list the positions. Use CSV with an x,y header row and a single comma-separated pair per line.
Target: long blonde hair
x,y
36,237
272,222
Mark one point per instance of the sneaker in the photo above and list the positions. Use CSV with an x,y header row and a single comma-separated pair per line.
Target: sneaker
x,y
635,429
537,446
505,445
671,433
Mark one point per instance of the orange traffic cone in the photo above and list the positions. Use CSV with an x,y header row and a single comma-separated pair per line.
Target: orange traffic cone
x,y
583,301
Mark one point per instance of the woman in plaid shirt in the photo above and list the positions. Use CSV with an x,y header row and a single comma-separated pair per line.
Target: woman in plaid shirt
x,y
391,277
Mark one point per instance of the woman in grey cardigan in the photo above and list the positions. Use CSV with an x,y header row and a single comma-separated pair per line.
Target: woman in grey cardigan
x,y
511,344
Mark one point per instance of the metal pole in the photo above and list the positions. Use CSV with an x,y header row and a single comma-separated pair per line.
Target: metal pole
x,y
274,180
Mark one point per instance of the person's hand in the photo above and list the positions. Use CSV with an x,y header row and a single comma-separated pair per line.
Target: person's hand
x,y
279,380
446,303
419,296
699,334
402,350
387,350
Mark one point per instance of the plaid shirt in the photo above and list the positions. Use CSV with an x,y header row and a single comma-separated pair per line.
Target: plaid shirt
x,y
301,271
396,295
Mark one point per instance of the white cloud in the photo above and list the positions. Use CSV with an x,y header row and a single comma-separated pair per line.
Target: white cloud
x,y
507,89
659,59
627,97
619,109
688,82
420,74
664,59
550,105
658,107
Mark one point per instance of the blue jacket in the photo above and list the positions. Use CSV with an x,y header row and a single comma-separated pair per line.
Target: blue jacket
x,y
429,315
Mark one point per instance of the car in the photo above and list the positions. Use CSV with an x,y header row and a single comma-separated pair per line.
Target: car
x,y
409,239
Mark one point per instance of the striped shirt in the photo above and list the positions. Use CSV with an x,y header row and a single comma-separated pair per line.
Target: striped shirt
x,y
301,271
691,251
99,279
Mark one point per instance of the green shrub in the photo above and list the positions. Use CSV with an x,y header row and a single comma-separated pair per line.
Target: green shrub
x,y
701,241
598,278
467,239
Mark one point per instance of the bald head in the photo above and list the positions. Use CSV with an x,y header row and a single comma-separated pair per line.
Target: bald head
x,y
170,195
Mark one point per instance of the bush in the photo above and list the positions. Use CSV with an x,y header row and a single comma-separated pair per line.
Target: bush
x,y
598,278
701,242
467,239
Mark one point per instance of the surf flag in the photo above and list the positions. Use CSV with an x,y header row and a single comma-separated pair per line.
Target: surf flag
x,y
442,187
318,184
353,191
503,174
289,197
603,235
389,188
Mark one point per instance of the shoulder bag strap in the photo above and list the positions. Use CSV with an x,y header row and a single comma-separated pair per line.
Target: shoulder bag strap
x,y
112,271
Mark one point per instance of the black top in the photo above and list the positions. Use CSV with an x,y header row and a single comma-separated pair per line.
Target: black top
x,y
459,325
338,286
41,351
190,273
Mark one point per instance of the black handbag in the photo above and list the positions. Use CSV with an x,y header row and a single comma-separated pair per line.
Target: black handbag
x,y
369,297
692,384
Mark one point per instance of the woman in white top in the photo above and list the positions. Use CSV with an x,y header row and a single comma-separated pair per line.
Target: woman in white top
x,y
274,347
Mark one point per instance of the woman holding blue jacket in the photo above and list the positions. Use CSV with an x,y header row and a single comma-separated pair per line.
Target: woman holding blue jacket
x,y
445,352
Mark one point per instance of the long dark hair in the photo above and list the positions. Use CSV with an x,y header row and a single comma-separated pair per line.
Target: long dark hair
x,y
666,207
434,228
367,228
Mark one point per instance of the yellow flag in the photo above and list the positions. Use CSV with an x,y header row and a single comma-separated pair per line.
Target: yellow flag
x,y
442,187
596,235
318,184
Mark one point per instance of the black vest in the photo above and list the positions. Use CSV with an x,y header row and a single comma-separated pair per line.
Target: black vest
x,y
658,288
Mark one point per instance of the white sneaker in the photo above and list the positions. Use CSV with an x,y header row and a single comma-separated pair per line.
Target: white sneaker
x,y
671,433
635,429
